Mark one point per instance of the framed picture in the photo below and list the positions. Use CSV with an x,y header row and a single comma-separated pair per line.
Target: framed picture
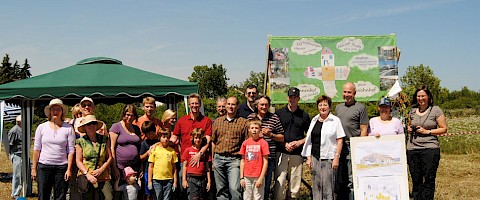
x,y
379,167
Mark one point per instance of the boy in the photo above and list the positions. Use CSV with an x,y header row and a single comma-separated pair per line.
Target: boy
x,y
196,179
149,129
162,173
254,163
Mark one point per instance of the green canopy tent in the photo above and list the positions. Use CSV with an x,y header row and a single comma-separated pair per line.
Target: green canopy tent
x,y
103,79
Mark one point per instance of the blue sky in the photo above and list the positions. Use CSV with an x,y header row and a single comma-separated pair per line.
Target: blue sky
x,y
171,37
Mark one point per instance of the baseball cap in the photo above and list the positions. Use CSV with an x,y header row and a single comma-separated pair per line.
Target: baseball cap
x,y
87,99
293,91
385,101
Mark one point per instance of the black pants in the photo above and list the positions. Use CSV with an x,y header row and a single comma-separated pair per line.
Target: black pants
x,y
51,176
423,165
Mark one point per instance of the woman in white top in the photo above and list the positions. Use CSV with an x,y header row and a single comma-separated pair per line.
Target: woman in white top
x,y
322,148
385,124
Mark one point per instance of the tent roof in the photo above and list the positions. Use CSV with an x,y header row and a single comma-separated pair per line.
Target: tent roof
x,y
98,76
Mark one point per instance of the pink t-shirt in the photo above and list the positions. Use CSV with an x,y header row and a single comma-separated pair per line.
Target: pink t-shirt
x,y
253,152
393,128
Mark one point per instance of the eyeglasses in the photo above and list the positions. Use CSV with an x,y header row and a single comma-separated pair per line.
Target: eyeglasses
x,y
92,123
85,105
251,93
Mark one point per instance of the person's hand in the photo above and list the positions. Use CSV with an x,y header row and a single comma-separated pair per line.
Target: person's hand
x,y
242,183
67,175
185,184
309,162
288,147
195,161
150,187
97,172
34,174
208,186
91,178
266,132
335,163
259,183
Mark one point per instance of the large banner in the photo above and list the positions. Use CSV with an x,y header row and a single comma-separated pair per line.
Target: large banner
x,y
320,65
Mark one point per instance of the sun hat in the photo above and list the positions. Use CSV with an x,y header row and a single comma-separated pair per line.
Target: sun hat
x,y
88,119
54,102
385,101
128,172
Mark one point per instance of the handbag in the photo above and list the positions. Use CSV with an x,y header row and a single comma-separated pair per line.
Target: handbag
x,y
82,181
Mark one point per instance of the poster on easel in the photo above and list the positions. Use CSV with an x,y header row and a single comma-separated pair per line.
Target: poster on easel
x,y
379,167
320,65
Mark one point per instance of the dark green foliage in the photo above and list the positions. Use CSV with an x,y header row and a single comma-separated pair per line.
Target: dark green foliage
x,y
212,81
9,73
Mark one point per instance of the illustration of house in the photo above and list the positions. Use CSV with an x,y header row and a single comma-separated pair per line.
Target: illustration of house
x,y
378,159
327,59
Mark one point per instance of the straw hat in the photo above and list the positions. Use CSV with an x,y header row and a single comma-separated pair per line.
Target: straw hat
x,y
88,119
57,102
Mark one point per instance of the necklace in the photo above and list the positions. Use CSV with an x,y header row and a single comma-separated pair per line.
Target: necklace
x,y
422,111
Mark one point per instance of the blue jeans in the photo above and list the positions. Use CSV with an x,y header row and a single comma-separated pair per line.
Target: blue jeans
x,y
51,176
268,177
227,177
17,174
163,189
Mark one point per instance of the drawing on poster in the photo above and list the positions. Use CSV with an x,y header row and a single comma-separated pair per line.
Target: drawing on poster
x,y
380,188
378,158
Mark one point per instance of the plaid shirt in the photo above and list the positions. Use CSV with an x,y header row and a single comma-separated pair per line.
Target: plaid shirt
x,y
228,135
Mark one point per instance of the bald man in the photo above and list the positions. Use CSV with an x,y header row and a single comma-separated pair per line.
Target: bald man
x,y
354,117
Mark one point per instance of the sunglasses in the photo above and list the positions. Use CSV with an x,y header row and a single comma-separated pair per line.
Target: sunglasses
x,y
251,93
85,105
92,123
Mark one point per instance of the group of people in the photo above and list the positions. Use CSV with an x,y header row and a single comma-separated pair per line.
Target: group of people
x,y
239,154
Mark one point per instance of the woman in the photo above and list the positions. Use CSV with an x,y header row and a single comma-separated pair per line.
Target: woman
x,y
125,142
53,151
423,149
322,148
169,118
93,159
385,124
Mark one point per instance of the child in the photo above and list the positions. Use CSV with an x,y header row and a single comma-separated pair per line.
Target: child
x,y
253,165
162,171
196,179
149,129
131,188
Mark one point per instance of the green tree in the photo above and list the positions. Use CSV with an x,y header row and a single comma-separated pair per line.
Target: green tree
x,y
416,76
255,78
7,73
212,81
25,71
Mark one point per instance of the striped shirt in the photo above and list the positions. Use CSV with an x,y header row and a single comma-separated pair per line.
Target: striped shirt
x,y
228,135
271,121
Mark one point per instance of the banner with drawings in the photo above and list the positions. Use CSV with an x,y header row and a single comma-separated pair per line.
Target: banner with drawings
x,y
320,65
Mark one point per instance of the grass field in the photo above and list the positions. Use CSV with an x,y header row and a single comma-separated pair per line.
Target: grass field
x,y
457,176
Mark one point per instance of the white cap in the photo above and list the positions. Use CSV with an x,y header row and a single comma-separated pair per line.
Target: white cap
x,y
87,99
19,118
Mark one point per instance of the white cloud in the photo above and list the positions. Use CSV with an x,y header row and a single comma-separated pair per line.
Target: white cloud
x,y
366,89
364,61
306,46
350,44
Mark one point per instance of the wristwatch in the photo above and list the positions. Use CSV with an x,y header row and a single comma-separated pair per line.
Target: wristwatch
x,y
201,153
85,173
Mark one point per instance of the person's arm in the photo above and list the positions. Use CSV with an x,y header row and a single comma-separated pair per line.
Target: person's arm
x,y
174,139
363,130
259,182
81,167
336,158
184,174
209,181
36,156
242,167
195,161
37,146
113,144
71,154
442,127
175,176
150,175
107,163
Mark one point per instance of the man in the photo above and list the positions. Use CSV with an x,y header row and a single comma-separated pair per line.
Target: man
x,y
87,107
354,118
149,109
272,131
221,107
289,160
247,108
184,127
15,140
229,131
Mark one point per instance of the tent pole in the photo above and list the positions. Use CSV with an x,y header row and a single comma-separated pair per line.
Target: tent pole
x,y
27,121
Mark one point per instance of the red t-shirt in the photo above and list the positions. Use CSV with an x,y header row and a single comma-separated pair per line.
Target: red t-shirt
x,y
253,152
139,122
186,124
202,168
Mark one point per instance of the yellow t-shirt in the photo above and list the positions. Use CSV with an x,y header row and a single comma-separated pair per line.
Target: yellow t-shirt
x,y
163,160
